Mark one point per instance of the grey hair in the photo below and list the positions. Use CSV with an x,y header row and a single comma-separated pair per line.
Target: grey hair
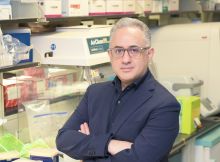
x,y
132,22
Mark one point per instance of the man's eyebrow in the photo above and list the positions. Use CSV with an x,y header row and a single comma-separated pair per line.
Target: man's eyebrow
x,y
118,47
133,46
123,47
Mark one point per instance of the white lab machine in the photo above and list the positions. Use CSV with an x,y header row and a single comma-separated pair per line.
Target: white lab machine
x,y
78,46
191,50
183,85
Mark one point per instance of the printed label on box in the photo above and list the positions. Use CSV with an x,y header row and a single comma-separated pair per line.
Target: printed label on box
x,y
98,44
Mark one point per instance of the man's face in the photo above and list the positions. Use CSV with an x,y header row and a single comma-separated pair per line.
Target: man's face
x,y
129,68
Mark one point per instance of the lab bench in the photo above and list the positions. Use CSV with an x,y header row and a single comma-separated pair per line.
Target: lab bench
x,y
183,149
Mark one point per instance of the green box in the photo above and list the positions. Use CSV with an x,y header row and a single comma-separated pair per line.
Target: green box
x,y
190,110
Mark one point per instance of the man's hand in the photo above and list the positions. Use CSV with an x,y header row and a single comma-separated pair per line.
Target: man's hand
x,y
84,128
116,146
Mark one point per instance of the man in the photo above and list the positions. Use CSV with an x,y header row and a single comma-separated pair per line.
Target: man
x,y
130,119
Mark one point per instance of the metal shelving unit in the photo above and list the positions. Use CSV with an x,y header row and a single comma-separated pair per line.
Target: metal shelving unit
x,y
14,21
82,18
18,66
5,69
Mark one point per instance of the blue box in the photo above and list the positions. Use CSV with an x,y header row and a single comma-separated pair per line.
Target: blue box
x,y
44,154
23,35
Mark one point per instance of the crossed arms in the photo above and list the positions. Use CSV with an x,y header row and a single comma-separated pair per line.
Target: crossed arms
x,y
114,146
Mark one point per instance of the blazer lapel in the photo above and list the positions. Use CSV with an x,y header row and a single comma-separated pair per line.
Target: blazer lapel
x,y
144,93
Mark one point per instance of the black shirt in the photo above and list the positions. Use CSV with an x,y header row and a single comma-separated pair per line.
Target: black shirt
x,y
120,97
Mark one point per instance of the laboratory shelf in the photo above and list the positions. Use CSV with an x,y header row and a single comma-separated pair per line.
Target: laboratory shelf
x,y
71,18
14,21
18,66
172,13
181,140
211,11
60,98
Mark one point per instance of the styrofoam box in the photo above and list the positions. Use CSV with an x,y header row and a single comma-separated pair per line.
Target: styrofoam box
x,y
97,7
75,7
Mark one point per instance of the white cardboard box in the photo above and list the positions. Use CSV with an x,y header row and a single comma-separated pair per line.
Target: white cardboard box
x,y
148,6
75,7
97,7
35,9
143,6
5,12
157,6
129,6
173,5
114,7
51,8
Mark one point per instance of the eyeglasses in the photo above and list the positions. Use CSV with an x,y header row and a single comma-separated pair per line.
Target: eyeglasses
x,y
134,52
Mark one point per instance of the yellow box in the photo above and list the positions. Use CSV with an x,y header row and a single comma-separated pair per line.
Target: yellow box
x,y
190,110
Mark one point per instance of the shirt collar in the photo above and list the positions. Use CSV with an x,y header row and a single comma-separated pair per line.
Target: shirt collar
x,y
117,83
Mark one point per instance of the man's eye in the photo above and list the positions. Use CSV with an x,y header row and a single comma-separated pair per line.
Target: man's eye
x,y
119,51
134,50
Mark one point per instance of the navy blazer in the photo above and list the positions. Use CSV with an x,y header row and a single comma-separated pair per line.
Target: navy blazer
x,y
150,121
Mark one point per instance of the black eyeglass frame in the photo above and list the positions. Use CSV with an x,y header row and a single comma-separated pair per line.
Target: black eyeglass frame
x,y
140,49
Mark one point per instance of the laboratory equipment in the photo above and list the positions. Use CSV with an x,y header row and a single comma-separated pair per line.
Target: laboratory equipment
x,y
182,85
74,58
190,50
79,46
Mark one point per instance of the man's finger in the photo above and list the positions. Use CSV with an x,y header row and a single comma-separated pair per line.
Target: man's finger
x,y
86,127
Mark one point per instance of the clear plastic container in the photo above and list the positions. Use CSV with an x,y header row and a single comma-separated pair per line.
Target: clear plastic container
x,y
9,142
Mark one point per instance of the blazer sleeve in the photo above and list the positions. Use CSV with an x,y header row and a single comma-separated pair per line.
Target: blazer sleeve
x,y
156,139
78,145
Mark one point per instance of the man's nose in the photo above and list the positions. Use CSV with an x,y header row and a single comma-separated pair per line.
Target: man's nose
x,y
126,57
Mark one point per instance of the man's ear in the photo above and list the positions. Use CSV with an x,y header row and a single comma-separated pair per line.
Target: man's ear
x,y
150,53
109,55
